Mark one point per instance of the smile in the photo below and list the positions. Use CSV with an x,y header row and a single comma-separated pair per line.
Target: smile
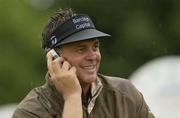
x,y
89,67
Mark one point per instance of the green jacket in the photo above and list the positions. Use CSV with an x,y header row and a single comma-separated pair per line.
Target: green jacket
x,y
118,98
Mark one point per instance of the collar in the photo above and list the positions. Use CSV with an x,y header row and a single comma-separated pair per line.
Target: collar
x,y
96,88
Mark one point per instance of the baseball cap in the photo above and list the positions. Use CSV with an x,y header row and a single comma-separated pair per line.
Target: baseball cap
x,y
77,28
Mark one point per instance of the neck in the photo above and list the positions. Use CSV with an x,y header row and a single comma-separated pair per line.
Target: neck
x,y
85,89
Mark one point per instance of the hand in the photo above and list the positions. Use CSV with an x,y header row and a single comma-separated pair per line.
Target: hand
x,y
63,76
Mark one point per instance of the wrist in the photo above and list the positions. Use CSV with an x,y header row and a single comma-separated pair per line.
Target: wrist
x,y
73,107
75,96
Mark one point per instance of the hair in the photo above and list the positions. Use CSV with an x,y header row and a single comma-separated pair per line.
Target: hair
x,y
59,17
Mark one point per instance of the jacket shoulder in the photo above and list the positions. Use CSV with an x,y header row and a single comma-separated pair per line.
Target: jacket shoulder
x,y
32,105
122,85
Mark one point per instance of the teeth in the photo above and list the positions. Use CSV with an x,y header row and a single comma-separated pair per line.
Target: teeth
x,y
88,67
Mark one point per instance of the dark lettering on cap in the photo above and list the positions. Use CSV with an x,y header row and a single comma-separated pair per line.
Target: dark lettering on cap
x,y
71,26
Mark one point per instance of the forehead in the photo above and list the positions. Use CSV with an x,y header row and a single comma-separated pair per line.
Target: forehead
x,y
79,43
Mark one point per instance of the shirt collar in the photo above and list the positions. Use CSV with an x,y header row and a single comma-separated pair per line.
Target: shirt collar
x,y
96,87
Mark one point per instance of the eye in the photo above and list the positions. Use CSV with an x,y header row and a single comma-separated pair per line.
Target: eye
x,y
96,47
80,50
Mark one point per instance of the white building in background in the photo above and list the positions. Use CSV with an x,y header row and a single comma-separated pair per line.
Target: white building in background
x,y
6,111
159,81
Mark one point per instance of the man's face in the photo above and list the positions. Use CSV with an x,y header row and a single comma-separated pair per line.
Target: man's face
x,y
85,56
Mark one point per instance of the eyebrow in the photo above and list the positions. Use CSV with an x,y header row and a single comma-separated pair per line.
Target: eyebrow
x,y
82,44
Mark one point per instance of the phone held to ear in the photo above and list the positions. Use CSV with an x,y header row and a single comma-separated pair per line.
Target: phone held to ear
x,y
54,54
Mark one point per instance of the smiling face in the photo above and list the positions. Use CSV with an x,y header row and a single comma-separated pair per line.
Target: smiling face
x,y
85,56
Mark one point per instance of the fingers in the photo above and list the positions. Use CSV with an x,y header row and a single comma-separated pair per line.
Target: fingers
x,y
49,63
53,65
66,65
56,65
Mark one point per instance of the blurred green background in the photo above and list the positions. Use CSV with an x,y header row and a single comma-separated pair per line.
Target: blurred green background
x,y
141,30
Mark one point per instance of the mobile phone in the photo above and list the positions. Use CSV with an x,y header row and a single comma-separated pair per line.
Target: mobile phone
x,y
54,54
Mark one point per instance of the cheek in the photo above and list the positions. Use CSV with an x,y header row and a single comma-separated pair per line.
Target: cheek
x,y
74,61
71,60
98,56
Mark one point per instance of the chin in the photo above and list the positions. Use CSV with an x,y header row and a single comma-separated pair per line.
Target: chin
x,y
88,79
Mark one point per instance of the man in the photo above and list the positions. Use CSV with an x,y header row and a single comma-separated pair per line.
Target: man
x,y
74,89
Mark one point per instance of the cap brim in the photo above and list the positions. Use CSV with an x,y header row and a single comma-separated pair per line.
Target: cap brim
x,y
83,35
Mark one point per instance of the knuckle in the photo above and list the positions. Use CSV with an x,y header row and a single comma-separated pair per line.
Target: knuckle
x,y
56,61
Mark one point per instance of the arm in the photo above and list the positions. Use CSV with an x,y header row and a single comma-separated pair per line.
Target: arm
x,y
64,78
73,107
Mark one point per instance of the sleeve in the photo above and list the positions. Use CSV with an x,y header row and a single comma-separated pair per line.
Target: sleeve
x,y
144,111
19,113
31,111
32,107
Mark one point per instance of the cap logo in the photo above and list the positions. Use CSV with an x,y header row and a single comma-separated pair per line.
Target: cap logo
x,y
81,23
71,26
76,20
53,40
